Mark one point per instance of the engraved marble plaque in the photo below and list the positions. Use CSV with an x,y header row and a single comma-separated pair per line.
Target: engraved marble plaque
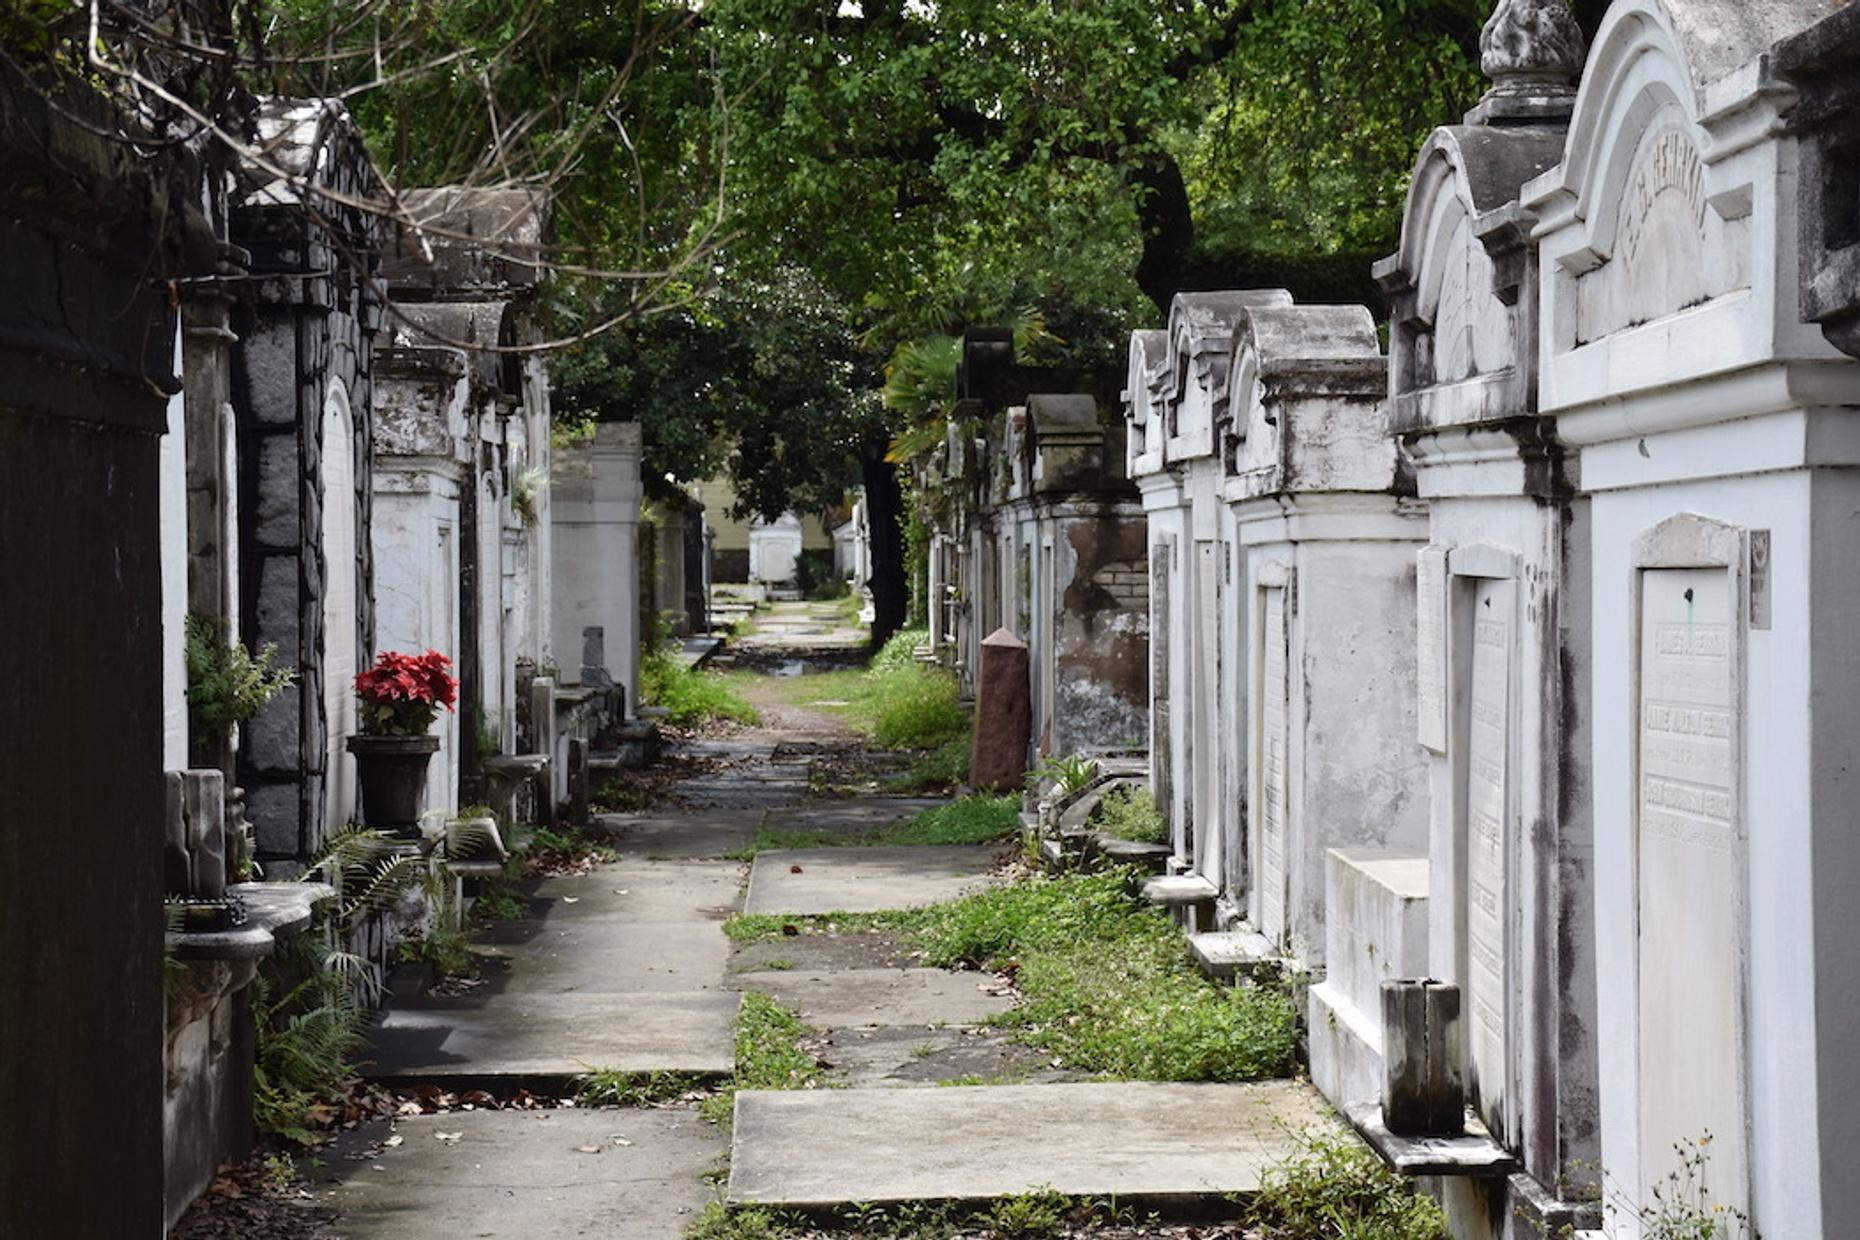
x,y
1488,845
1209,822
1430,631
1274,829
1691,1044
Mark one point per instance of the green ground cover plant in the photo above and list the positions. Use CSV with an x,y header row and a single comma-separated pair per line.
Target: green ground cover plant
x,y
1106,983
690,696
1337,1187
768,1055
608,1087
1130,813
977,819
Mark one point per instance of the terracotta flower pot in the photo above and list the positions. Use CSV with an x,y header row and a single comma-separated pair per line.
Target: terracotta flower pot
x,y
392,772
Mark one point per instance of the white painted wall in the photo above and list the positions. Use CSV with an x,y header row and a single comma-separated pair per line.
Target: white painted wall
x,y
172,506
596,551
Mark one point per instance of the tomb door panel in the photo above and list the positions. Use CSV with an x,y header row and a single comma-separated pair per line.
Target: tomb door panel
x,y
1270,759
1690,903
1488,844
1161,598
1209,812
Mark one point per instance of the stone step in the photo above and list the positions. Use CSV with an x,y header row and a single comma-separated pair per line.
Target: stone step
x,y
1189,899
1227,954
1154,1146
1152,857
1180,890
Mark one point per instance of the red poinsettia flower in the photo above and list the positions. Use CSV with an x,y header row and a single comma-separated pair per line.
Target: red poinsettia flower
x,y
401,693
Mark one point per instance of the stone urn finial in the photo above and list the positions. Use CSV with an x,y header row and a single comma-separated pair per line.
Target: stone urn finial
x,y
1533,51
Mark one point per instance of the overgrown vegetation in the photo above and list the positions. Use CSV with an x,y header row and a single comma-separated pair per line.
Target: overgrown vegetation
x,y
690,696
226,683
309,1002
978,819
1034,1215
768,1055
1337,1187
1106,983
1130,813
1683,1206
1070,774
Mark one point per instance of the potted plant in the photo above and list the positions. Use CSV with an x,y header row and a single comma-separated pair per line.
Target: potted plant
x,y
401,696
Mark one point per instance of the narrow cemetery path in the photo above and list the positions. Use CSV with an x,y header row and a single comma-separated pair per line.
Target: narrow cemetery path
x,y
625,969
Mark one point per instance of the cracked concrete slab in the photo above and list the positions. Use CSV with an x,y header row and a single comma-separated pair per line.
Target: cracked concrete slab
x,y
522,1175
805,881
861,998
543,1041
1138,1142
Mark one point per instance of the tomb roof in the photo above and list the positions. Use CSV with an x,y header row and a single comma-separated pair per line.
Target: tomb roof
x,y
462,242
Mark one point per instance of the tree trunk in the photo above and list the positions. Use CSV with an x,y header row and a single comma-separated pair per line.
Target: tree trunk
x,y
1168,222
884,511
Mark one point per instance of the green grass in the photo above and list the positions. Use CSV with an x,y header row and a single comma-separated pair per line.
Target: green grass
x,y
607,1087
978,819
894,701
1039,1215
1337,1187
690,696
1130,813
1107,985
768,1055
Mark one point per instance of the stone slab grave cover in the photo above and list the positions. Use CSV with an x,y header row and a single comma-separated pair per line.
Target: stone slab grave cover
x,y
811,881
1160,1144
1714,427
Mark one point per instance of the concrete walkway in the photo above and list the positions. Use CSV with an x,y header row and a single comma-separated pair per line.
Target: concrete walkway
x,y
627,968
1142,1144
620,969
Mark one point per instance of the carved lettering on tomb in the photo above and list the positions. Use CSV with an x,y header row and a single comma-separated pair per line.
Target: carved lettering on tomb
x,y
1471,328
1691,1045
1488,832
1671,251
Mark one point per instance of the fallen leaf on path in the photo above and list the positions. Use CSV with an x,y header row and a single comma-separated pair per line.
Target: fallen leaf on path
x,y
394,1141
794,869
571,899
587,1149
447,1136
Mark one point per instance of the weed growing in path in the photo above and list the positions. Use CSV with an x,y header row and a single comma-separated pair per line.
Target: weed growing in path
x,y
768,1055
1337,1187
979,819
1106,982
608,1087
691,696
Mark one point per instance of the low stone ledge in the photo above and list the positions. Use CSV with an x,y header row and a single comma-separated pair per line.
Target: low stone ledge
x,y
1472,1154
273,911
1227,954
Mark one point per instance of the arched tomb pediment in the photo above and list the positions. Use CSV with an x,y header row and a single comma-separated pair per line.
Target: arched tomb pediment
x,y
1673,199
1659,206
1462,308
1145,371
1200,331
1304,403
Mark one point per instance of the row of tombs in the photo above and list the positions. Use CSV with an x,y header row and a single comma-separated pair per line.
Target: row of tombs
x,y
348,449
1515,658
